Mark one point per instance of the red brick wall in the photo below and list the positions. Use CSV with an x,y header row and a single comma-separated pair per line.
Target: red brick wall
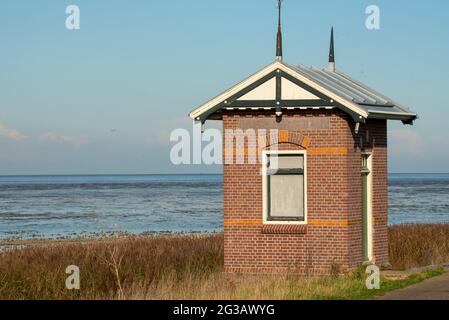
x,y
332,236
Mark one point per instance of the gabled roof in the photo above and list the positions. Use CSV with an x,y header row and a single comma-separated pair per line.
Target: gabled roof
x,y
325,88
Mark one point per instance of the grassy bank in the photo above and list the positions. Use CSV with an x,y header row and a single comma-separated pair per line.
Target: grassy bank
x,y
188,267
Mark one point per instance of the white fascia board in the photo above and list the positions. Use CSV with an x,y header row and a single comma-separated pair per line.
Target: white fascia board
x,y
394,113
403,116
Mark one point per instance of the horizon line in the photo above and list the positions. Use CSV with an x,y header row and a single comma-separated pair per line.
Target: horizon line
x,y
155,174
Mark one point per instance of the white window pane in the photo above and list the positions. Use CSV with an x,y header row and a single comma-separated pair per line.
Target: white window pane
x,y
286,196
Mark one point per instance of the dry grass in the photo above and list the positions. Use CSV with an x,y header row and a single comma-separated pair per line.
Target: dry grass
x,y
219,286
108,269
188,267
418,245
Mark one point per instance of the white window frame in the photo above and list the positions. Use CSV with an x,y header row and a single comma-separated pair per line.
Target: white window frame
x,y
265,155
370,224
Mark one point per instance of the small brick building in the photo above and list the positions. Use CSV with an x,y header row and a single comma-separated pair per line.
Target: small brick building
x,y
305,169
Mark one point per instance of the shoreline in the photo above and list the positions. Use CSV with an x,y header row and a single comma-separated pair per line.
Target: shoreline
x,y
20,243
117,235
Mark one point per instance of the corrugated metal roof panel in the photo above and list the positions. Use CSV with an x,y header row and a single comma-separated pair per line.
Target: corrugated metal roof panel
x,y
341,84
313,76
368,96
357,96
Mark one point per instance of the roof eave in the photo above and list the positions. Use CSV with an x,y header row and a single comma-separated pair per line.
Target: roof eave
x,y
406,118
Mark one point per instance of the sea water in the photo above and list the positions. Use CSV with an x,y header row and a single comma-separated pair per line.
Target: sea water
x,y
53,206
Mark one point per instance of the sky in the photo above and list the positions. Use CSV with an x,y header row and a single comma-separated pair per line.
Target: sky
x,y
103,99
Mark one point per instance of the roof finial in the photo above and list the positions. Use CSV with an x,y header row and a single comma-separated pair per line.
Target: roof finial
x,y
279,35
332,53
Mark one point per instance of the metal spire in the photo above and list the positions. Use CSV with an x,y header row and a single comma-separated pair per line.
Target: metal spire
x,y
279,35
332,52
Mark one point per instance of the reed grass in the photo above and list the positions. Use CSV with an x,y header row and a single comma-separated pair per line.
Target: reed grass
x,y
417,245
189,267
109,269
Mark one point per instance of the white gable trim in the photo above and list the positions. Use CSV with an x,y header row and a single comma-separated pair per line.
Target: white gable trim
x,y
265,71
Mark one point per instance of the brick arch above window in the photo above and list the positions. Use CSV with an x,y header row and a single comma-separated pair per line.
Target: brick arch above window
x,y
284,137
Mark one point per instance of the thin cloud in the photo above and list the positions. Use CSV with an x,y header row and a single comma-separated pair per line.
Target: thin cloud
x,y
10,133
63,139
406,141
